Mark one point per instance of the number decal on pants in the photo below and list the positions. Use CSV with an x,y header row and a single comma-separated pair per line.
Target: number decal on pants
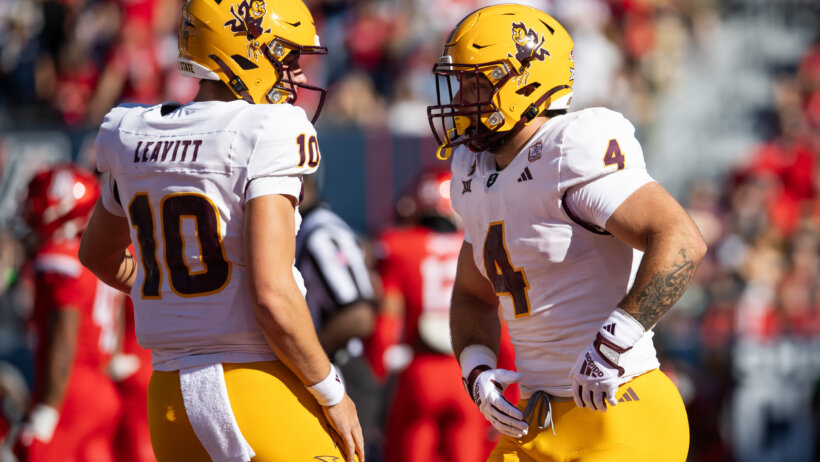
x,y
505,278
216,270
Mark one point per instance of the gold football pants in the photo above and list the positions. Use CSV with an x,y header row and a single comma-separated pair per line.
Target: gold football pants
x,y
276,414
648,424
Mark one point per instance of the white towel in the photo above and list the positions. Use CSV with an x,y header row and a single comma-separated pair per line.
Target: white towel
x,y
206,402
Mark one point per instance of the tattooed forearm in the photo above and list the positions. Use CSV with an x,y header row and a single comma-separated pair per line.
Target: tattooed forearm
x,y
663,290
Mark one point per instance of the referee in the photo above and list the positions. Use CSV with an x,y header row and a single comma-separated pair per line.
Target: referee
x,y
341,300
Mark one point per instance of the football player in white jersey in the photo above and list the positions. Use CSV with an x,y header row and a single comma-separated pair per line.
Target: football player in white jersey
x,y
207,192
566,230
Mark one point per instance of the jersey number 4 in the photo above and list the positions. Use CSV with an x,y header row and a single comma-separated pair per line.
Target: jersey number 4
x,y
614,155
173,208
506,279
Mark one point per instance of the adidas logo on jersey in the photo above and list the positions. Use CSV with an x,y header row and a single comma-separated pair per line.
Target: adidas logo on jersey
x,y
589,368
610,328
525,175
629,395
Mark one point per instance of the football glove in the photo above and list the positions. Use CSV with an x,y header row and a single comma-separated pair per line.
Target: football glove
x,y
121,366
40,425
486,386
599,370
487,390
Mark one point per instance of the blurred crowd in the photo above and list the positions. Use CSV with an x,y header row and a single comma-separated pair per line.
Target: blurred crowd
x,y
746,336
66,62
744,342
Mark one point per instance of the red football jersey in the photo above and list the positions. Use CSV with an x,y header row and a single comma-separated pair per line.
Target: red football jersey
x,y
420,264
63,283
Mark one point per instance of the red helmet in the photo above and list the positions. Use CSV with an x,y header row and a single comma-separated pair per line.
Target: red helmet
x,y
62,194
428,197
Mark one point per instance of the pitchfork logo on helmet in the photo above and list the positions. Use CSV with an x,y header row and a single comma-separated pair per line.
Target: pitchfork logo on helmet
x,y
248,19
528,43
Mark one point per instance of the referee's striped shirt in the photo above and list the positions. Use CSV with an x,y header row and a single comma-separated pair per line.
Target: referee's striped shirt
x,y
332,264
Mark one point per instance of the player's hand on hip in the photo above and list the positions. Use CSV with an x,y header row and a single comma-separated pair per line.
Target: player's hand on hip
x,y
601,368
486,387
343,418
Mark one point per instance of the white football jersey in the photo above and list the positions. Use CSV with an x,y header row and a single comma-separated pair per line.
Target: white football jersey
x,y
557,278
181,177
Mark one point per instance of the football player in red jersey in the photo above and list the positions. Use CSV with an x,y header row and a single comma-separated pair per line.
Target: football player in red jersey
x,y
429,416
75,405
131,370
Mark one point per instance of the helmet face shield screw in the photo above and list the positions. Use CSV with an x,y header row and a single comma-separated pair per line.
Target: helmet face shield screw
x,y
278,50
495,119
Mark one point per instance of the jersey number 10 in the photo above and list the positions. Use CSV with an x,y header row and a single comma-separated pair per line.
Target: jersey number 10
x,y
184,282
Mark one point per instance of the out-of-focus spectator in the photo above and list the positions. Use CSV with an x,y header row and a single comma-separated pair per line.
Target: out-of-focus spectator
x,y
11,262
14,400
407,115
367,36
77,77
809,69
771,407
132,71
355,103
20,22
599,77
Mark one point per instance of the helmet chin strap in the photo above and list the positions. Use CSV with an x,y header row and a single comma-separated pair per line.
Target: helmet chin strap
x,y
236,84
494,140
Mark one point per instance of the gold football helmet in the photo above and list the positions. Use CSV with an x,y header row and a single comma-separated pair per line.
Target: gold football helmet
x,y
526,56
247,44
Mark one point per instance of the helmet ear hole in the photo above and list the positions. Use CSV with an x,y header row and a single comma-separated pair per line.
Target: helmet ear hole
x,y
243,62
527,91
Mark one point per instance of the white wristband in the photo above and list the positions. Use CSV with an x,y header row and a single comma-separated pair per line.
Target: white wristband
x,y
474,356
329,391
622,329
